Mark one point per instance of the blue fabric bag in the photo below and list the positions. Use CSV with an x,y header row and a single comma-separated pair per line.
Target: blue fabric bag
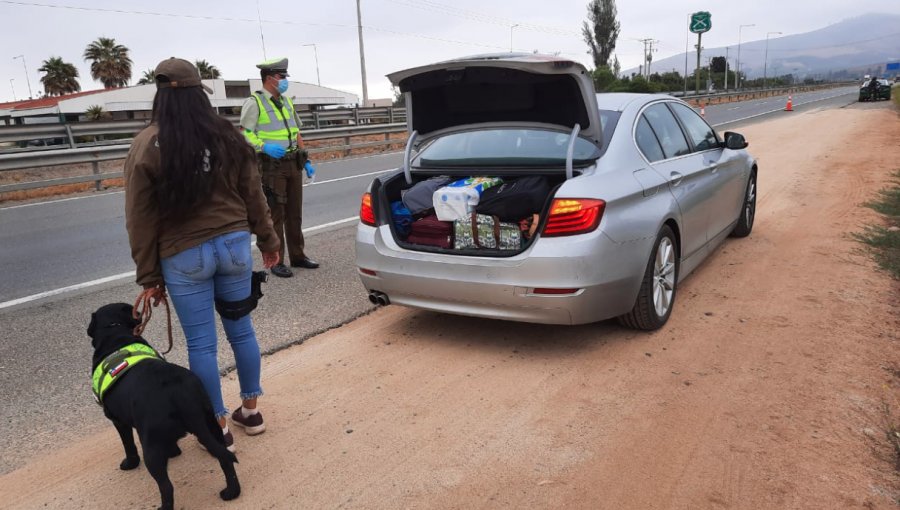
x,y
402,218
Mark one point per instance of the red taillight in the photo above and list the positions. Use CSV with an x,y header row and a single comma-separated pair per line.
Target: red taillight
x,y
366,213
369,272
570,216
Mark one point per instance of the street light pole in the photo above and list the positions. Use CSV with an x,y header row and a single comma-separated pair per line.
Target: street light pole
x,y
362,55
766,59
13,87
27,80
687,37
737,78
316,53
511,36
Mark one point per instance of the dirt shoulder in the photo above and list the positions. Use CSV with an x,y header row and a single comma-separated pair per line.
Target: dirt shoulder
x,y
765,389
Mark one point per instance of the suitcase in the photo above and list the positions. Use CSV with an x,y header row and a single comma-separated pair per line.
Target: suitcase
x,y
430,231
482,231
420,196
515,199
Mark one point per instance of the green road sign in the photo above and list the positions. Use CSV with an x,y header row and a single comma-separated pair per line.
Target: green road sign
x,y
700,22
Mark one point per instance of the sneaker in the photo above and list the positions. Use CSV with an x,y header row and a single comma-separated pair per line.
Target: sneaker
x,y
252,424
229,443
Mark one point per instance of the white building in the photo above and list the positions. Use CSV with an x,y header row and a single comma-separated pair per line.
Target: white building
x,y
137,102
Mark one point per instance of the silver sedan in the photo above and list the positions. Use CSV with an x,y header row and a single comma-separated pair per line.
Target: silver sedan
x,y
640,190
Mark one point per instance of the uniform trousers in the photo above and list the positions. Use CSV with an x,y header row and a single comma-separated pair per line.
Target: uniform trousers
x,y
282,181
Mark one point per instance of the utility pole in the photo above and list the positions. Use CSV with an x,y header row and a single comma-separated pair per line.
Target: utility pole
x,y
737,77
362,54
726,68
648,56
510,36
766,60
13,87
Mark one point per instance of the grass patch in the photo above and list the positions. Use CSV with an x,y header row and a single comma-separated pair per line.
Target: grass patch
x,y
883,242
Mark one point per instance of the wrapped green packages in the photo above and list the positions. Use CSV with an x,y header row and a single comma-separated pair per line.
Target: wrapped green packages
x,y
483,231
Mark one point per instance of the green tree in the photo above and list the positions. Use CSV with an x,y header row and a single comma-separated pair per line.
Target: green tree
x,y
148,77
59,77
602,31
95,112
718,64
110,63
207,70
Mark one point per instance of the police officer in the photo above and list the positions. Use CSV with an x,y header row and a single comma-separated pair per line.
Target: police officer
x,y
272,127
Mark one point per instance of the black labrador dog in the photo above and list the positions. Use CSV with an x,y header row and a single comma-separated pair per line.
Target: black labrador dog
x,y
162,401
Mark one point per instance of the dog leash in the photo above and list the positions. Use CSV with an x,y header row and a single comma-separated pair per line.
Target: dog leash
x,y
143,310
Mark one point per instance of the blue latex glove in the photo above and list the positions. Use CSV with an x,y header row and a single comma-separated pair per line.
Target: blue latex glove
x,y
310,170
272,150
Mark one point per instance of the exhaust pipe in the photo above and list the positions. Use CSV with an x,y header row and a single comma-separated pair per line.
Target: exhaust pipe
x,y
378,298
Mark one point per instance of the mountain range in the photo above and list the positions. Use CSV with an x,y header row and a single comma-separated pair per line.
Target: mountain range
x,y
860,45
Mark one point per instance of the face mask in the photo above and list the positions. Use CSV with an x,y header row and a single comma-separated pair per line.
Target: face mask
x,y
282,85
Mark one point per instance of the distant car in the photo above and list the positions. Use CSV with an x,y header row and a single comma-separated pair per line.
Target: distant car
x,y
641,191
882,91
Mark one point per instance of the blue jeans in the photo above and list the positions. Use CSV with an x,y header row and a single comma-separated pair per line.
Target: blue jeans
x,y
220,268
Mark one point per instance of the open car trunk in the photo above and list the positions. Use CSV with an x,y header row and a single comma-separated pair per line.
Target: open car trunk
x,y
495,235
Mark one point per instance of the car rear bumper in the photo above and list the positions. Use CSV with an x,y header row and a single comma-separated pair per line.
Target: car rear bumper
x,y
503,288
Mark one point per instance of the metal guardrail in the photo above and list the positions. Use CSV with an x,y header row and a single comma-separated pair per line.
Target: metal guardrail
x,y
753,93
65,133
96,154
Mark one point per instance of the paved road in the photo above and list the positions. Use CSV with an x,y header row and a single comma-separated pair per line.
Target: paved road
x,y
54,245
45,353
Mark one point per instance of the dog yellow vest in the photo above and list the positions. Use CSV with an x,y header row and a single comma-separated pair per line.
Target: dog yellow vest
x,y
114,366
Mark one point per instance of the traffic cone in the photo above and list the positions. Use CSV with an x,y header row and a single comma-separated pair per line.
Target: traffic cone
x,y
790,105
702,111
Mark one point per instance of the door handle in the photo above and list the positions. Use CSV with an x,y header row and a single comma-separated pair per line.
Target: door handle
x,y
712,167
675,178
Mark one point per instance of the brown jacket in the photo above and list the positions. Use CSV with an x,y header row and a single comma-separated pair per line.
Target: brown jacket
x,y
235,205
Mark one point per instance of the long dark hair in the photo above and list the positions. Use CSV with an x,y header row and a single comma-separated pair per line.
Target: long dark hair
x,y
198,149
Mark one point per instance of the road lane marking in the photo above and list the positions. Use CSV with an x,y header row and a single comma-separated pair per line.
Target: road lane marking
x,y
779,110
131,274
349,177
60,200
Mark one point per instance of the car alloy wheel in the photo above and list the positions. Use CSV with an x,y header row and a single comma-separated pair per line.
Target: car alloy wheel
x,y
664,277
656,295
748,210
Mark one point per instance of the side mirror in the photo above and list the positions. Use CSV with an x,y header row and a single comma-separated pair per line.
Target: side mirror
x,y
735,141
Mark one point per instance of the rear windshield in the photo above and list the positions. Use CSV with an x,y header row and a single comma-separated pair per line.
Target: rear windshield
x,y
505,147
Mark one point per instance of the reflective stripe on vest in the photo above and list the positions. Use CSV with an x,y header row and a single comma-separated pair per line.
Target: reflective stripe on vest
x,y
272,126
114,366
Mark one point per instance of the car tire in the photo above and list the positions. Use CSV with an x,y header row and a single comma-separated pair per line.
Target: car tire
x,y
748,210
656,297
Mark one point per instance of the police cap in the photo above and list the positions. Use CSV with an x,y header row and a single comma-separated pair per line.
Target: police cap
x,y
275,66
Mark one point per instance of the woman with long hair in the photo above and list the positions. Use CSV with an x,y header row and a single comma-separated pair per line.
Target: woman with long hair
x,y
192,197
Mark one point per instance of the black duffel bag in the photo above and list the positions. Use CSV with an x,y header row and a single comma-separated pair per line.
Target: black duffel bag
x,y
515,198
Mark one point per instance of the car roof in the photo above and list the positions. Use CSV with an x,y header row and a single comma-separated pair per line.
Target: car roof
x,y
618,101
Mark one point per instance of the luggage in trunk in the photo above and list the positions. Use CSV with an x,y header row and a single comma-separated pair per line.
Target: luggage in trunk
x,y
515,199
430,231
482,231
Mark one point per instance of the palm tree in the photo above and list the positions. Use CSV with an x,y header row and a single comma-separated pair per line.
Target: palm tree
x,y
207,70
148,77
59,77
95,112
110,64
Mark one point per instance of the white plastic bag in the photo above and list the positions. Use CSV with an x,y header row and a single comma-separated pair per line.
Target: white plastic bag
x,y
458,199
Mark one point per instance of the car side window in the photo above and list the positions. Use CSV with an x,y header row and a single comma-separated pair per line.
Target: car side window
x,y
647,142
667,131
703,136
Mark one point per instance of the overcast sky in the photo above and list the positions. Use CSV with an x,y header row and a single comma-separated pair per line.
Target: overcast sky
x,y
397,33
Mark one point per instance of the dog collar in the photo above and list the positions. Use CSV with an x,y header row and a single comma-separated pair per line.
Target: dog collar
x,y
114,366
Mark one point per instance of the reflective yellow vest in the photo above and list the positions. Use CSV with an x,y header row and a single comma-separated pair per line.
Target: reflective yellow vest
x,y
275,125
114,366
